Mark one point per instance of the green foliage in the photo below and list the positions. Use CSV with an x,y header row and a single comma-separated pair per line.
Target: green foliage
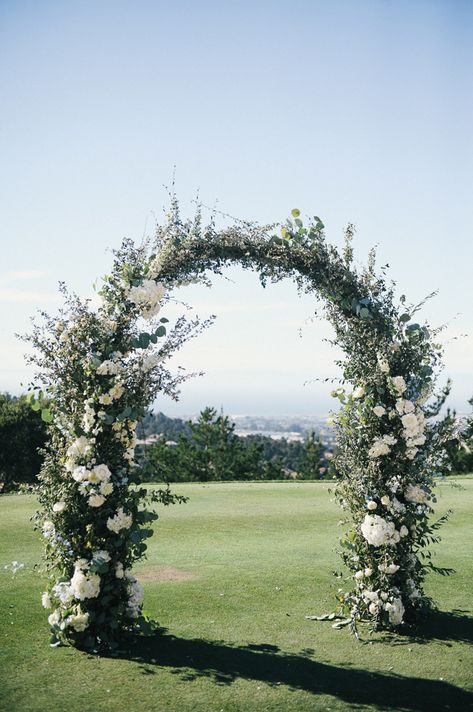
x,y
101,370
22,436
212,451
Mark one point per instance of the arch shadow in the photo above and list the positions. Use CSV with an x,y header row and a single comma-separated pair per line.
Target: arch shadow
x,y
223,663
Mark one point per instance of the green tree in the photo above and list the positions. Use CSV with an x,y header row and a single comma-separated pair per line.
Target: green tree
x,y
212,452
311,459
22,435
460,452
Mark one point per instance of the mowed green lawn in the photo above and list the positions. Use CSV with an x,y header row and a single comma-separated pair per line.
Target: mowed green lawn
x,y
230,577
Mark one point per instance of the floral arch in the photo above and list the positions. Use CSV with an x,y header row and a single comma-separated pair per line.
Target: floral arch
x,y
100,368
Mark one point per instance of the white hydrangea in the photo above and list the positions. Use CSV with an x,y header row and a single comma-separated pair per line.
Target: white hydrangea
x,y
382,446
378,532
119,521
64,593
85,585
102,472
395,610
147,296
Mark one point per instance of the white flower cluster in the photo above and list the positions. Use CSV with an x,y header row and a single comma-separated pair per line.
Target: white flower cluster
x,y
84,584
398,384
382,446
119,521
135,596
81,447
112,395
378,600
150,361
94,483
147,296
416,494
378,532
77,620
125,433
413,423
109,368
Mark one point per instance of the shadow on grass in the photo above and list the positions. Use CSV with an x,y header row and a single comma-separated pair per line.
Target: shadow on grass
x,y
223,663
437,626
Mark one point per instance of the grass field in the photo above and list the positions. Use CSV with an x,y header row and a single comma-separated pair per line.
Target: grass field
x,y
230,577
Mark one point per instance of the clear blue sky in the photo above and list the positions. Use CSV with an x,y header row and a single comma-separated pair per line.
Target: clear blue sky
x,y
357,111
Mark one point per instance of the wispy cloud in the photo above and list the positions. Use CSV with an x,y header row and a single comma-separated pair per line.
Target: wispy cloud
x,y
21,274
16,296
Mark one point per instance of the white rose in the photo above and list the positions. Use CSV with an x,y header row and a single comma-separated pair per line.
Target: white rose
x,y
102,472
410,422
55,618
399,384
359,392
359,575
59,506
80,474
385,500
371,504
48,529
79,448
101,557
78,621
379,411
96,500
368,572
403,531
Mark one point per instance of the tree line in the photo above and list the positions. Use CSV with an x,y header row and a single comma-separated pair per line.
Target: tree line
x,y
185,451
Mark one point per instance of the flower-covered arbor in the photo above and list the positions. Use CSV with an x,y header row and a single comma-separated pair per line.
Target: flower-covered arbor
x,y
100,369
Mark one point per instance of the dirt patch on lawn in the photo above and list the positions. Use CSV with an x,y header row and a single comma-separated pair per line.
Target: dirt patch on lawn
x,y
165,573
